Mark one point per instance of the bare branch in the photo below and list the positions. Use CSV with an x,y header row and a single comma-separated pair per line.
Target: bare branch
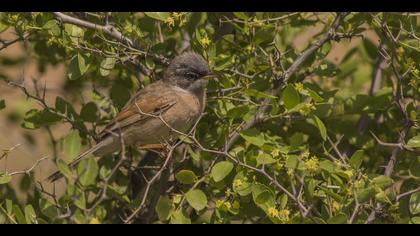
x,y
5,44
408,193
30,169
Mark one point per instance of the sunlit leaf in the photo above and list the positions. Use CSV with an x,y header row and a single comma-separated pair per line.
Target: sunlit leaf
x,y
253,136
186,177
321,127
197,199
164,208
290,97
414,142
162,16
415,203
221,170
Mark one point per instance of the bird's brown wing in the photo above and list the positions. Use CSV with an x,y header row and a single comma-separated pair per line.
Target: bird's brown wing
x,y
147,103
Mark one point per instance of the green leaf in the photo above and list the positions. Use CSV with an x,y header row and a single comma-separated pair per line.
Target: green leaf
x,y
382,181
41,117
179,217
263,197
197,199
74,32
370,48
89,112
324,50
241,15
258,94
5,178
356,159
72,144
9,206
293,162
30,215
263,35
20,217
2,104
164,208
162,16
186,177
314,95
321,127
107,65
244,188
64,168
415,167
338,219
253,136
328,166
415,220
78,66
265,201
87,171
47,208
414,142
52,27
265,159
80,199
365,194
310,186
414,203
283,201
221,170
332,194
290,97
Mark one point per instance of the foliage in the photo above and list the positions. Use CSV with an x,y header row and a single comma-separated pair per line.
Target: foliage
x,y
289,135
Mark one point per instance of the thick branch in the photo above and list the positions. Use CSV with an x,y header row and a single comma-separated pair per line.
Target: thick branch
x,y
110,31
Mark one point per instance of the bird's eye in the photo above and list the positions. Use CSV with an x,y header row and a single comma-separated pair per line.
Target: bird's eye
x,y
192,75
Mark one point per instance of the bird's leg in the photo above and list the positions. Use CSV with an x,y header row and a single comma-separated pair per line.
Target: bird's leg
x,y
161,149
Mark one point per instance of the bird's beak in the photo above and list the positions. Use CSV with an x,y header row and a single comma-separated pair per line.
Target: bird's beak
x,y
209,76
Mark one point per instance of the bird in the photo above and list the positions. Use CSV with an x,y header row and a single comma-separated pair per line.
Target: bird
x,y
155,113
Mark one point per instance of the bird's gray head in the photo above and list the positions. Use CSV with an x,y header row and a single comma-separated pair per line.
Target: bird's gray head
x,y
188,71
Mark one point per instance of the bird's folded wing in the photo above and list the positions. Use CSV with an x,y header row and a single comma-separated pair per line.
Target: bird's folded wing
x,y
148,103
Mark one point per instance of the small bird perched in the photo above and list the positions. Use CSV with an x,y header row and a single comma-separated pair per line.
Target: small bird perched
x,y
178,99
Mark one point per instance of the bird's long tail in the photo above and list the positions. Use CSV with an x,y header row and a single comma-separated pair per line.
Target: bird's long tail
x,y
95,150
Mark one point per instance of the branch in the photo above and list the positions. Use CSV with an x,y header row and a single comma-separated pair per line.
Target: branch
x,y
399,145
110,31
286,76
133,215
107,29
30,169
398,99
408,193
5,44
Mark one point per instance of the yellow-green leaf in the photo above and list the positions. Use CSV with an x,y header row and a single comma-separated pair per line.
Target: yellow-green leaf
x,y
321,127
290,97
221,170
162,16
186,177
197,199
414,142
